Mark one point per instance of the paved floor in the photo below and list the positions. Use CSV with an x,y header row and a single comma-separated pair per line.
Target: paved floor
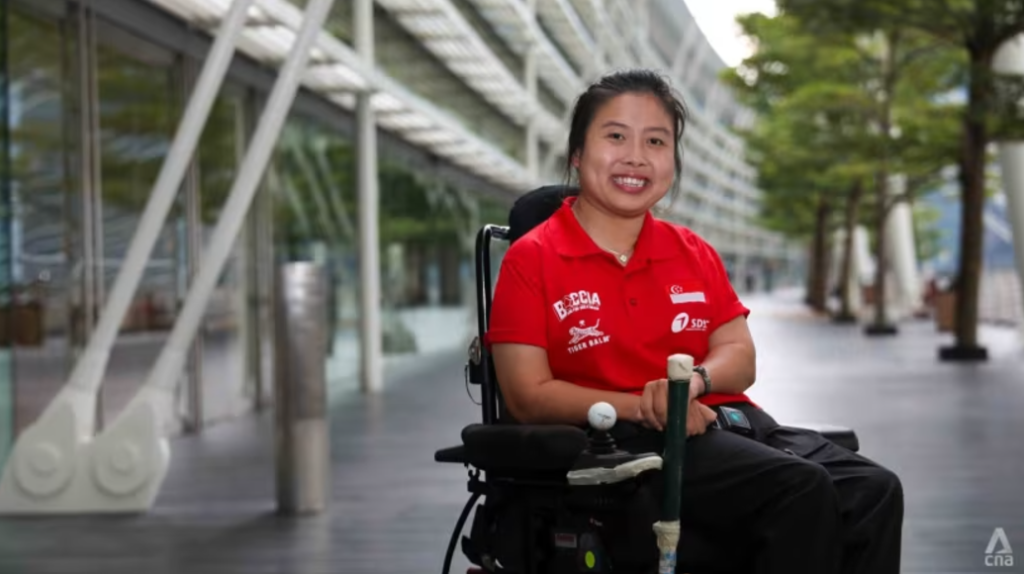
x,y
952,432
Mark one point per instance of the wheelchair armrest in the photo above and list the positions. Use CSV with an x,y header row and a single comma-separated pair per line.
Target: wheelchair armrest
x,y
842,436
516,447
453,454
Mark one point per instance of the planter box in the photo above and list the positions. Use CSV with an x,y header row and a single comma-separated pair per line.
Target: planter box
x,y
945,311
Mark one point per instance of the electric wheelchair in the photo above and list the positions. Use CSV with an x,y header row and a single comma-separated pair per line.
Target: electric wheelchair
x,y
532,520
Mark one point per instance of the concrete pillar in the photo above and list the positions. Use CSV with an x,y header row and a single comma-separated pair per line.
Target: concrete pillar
x,y
902,254
863,272
370,332
858,263
1010,59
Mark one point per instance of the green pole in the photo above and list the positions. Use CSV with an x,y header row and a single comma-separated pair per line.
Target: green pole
x,y
680,371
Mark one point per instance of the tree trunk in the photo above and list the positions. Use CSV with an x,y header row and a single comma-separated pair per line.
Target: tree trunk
x,y
972,189
881,325
881,321
845,314
817,293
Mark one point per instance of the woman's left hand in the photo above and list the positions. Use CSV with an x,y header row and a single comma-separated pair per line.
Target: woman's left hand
x,y
698,418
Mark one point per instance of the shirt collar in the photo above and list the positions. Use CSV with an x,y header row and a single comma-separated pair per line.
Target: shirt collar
x,y
656,240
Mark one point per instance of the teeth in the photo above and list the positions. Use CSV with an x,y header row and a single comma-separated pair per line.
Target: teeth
x,y
630,181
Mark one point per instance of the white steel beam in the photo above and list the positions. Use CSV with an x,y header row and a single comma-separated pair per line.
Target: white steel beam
x,y
572,33
515,22
56,467
46,454
442,30
339,69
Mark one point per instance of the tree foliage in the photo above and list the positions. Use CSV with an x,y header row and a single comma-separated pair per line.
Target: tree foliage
x,y
841,112
977,29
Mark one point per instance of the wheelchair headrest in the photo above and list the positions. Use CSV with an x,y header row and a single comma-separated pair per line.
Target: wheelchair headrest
x,y
535,207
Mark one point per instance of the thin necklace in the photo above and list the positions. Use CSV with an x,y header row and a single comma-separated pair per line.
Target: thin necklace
x,y
622,257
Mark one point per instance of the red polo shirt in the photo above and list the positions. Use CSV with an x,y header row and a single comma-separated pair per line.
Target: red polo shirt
x,y
605,325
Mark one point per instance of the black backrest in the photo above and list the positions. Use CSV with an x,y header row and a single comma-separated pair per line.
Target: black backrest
x,y
535,207
529,211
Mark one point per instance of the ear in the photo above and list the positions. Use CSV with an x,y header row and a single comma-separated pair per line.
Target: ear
x,y
576,160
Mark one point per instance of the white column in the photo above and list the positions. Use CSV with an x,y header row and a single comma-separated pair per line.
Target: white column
x,y
856,265
1010,59
902,253
864,269
370,332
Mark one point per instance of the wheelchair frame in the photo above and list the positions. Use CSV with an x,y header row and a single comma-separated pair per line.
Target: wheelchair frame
x,y
479,370
547,485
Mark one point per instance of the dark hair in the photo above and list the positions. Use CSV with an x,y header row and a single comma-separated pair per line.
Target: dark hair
x,y
642,81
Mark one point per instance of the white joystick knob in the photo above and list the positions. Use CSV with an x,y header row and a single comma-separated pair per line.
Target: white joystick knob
x,y
601,416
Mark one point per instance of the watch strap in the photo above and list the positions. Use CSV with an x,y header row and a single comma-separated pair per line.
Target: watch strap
x,y
707,379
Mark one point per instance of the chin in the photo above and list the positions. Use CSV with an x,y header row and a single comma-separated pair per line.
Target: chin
x,y
634,202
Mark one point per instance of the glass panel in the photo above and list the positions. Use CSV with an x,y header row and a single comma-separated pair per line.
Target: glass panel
x,y
138,111
315,219
45,207
6,389
428,235
226,388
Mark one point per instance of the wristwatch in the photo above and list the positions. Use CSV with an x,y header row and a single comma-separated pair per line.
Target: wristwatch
x,y
707,379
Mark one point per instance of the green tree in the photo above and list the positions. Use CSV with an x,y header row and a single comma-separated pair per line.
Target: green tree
x,y
978,28
810,142
863,108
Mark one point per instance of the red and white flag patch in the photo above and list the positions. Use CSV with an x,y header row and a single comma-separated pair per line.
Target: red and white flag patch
x,y
687,292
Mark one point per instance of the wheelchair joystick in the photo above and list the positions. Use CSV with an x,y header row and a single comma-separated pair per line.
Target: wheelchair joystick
x,y
602,418
602,462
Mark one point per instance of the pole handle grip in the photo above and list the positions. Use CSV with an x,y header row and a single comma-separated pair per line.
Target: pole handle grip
x,y
680,367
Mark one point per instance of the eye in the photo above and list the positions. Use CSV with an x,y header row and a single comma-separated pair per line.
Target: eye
x,y
616,135
657,141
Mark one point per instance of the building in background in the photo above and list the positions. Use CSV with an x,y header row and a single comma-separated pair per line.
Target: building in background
x,y
472,111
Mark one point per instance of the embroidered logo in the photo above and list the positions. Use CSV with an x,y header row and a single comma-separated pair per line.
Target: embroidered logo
x,y
585,337
576,301
683,322
690,292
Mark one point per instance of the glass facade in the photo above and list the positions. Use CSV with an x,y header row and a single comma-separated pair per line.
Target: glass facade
x,y
93,110
6,300
315,219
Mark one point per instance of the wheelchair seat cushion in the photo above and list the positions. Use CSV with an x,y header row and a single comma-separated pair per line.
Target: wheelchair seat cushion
x,y
515,447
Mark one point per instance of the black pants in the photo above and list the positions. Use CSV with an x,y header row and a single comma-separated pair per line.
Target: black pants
x,y
785,501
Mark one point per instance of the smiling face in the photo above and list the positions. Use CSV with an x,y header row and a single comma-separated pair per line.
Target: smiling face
x,y
627,162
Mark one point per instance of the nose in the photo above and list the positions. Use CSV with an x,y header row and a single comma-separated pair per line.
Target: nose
x,y
635,154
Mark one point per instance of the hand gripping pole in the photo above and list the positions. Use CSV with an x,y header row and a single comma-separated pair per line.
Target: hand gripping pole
x,y
56,466
680,371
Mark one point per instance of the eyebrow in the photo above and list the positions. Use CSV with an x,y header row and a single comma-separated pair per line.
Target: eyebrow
x,y
613,123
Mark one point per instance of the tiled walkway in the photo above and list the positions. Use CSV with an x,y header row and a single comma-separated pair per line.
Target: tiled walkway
x,y
954,433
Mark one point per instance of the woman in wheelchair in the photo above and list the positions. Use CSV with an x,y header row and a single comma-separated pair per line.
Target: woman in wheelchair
x,y
589,304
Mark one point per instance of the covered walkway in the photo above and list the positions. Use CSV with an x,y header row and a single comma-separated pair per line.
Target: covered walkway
x,y
953,433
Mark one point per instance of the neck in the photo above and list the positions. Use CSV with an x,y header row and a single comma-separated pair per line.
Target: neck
x,y
608,231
